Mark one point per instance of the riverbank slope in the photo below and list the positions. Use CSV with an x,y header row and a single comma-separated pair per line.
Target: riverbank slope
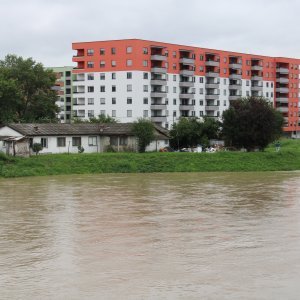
x,y
287,159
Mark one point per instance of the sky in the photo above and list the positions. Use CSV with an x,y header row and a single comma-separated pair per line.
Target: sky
x,y
45,29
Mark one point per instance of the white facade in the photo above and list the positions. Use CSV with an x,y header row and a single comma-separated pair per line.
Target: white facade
x,y
126,96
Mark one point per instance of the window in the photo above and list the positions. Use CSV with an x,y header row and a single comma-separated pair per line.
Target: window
x,y
174,101
129,63
92,141
145,114
224,92
145,75
201,57
102,76
76,141
123,140
113,76
102,51
113,113
129,75
193,113
200,113
174,67
267,84
44,142
201,91
102,88
129,87
174,77
102,63
113,100
102,100
129,49
201,69
225,81
174,89
90,113
90,89
145,88
145,63
201,79
113,63
90,64
267,94
113,88
113,51
102,112
90,52
247,83
90,101
129,100
90,76
174,54
129,113
145,50
225,59
224,103
201,102
145,100
247,93
174,113
61,142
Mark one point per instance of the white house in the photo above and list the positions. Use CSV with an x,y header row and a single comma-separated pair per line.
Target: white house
x,y
68,138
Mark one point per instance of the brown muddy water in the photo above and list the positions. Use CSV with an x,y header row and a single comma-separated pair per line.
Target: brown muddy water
x,y
151,236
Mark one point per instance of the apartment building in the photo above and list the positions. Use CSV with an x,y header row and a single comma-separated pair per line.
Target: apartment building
x,y
63,86
133,78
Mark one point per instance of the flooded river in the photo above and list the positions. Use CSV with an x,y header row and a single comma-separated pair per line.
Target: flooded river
x,y
151,236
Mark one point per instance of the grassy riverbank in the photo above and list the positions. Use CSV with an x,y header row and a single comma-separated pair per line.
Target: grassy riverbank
x,y
287,159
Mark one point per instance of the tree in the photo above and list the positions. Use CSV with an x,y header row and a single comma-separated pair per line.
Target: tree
x,y
26,93
143,129
37,147
189,132
251,123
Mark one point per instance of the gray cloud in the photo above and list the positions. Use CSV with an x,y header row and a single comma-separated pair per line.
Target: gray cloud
x,y
45,29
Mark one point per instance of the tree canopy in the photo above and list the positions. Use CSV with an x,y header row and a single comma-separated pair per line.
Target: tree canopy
x,y
100,119
251,123
26,93
189,132
143,129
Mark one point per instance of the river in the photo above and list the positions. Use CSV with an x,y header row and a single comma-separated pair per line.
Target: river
x,y
151,236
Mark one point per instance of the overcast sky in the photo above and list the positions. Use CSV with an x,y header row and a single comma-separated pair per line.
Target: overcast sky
x,y
45,29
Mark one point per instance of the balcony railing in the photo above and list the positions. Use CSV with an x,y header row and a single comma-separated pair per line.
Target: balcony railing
x,y
158,57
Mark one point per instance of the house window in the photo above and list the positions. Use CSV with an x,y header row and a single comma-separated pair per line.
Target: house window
x,y
102,76
44,142
113,63
102,112
129,100
174,77
90,89
90,101
174,54
129,63
174,101
145,114
102,100
92,141
123,140
129,113
113,100
113,76
145,63
90,52
102,88
145,100
201,79
61,142
102,64
90,64
102,51
129,49
145,88
129,75
90,76
145,75
113,51
174,89
145,50
113,88
90,113
76,141
129,87
113,141
113,113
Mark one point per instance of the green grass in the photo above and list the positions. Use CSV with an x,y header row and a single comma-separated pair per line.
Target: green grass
x,y
288,159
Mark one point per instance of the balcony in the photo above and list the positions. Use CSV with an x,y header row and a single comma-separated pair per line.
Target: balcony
x,y
256,78
186,84
158,57
282,80
234,97
211,97
157,94
282,70
282,109
211,107
256,68
235,66
212,74
158,106
186,107
159,118
186,95
212,85
158,82
256,88
235,76
282,90
282,99
212,63
187,72
158,70
235,87
187,61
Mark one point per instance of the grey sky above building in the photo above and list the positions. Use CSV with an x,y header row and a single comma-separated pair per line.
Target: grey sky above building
x,y
45,29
